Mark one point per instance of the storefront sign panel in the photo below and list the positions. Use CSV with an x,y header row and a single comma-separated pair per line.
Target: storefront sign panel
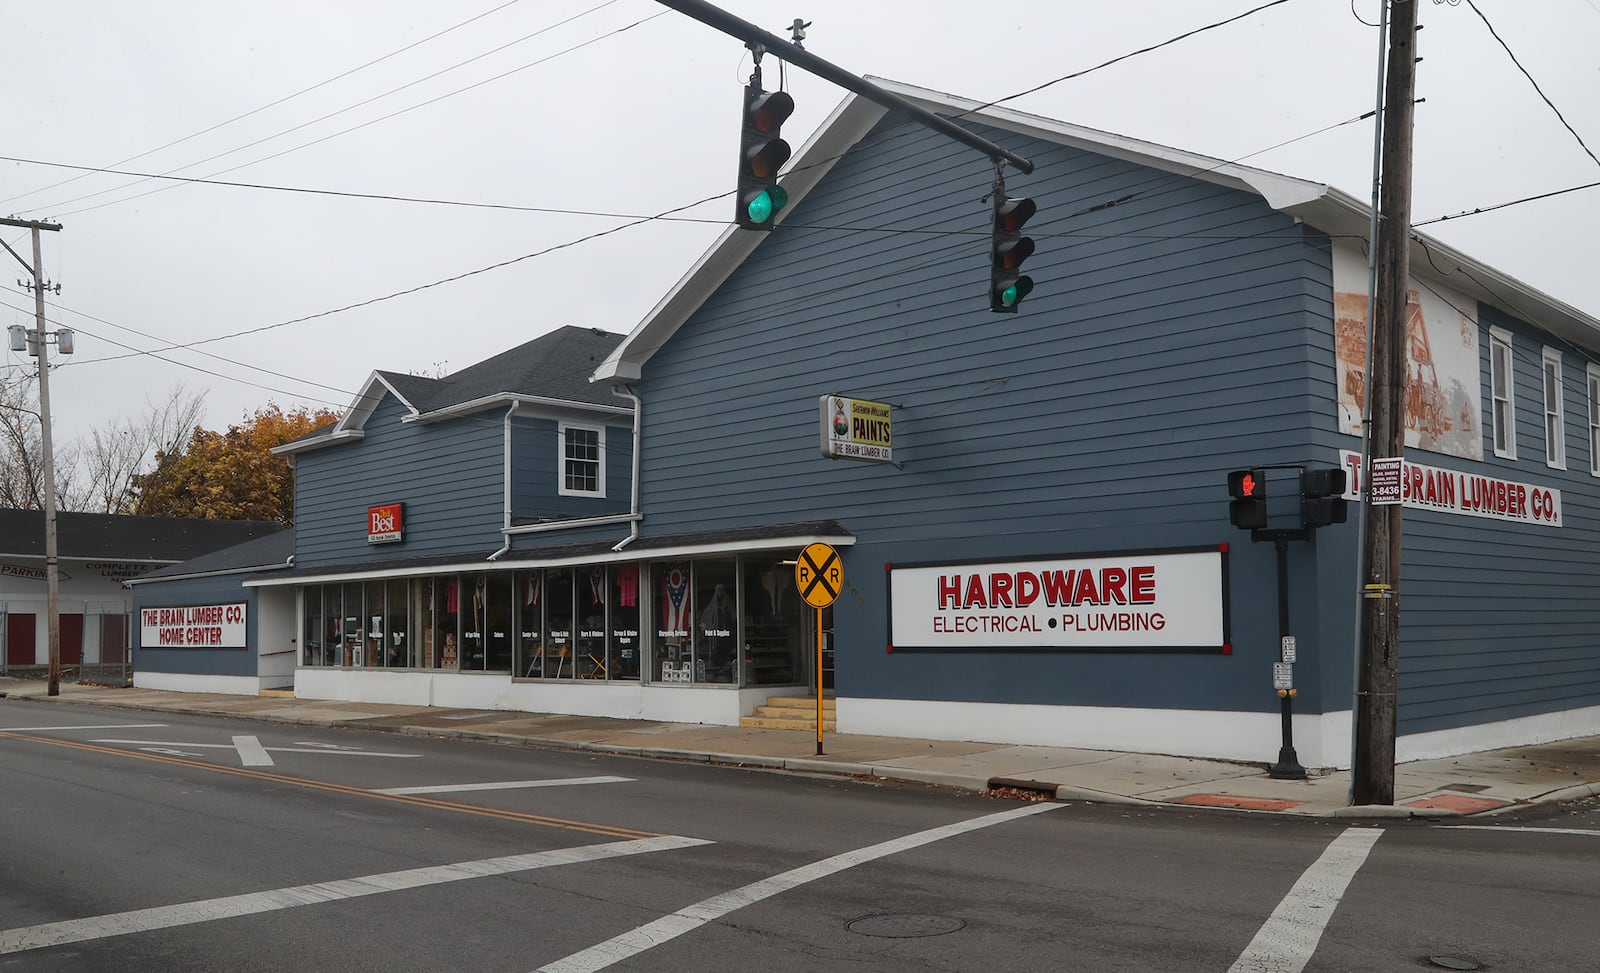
x,y
386,523
1143,600
856,429
1469,494
194,626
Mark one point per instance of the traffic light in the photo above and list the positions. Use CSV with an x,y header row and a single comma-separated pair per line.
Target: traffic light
x,y
1248,508
761,154
1322,499
1007,287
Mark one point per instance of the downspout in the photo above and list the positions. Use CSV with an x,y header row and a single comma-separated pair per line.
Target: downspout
x,y
506,469
627,392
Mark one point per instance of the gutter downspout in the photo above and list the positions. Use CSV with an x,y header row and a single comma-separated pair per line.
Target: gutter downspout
x,y
627,392
506,475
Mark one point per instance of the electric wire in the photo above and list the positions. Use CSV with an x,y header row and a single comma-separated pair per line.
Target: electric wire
x,y
1552,105
285,98
1509,203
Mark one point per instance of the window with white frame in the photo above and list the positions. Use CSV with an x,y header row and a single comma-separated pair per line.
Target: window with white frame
x,y
1594,420
1555,431
583,461
1501,391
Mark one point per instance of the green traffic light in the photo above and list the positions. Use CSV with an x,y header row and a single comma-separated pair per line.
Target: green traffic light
x,y
764,205
1013,295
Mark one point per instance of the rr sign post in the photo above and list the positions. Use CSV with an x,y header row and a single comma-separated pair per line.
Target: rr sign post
x,y
819,576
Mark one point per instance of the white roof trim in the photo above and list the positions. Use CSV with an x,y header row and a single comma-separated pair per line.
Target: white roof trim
x,y
604,557
1329,210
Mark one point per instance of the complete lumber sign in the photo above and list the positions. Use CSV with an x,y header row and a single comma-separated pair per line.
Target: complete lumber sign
x,y
819,575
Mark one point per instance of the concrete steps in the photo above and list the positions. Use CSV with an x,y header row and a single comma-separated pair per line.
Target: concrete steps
x,y
791,713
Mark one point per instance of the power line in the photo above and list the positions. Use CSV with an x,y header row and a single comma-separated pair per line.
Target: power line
x,y
274,104
1513,202
1525,74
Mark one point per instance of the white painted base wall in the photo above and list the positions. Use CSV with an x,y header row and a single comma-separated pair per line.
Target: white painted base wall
x,y
186,683
495,691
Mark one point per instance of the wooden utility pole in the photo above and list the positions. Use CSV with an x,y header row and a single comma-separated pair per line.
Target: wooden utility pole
x,y
1376,710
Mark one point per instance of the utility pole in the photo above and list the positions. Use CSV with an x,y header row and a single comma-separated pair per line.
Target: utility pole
x,y
52,564
1376,711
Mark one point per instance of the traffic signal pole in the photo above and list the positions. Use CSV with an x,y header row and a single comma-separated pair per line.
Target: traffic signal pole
x,y
793,53
1372,776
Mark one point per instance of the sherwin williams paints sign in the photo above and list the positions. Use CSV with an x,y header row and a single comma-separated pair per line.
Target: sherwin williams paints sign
x,y
1155,600
856,429
194,626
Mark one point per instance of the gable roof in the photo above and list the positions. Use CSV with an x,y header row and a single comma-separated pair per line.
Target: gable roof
x,y
267,553
1328,209
552,370
123,537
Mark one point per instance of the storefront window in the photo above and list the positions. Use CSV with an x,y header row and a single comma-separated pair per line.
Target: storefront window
x,y
351,626
395,639
774,626
312,641
559,617
716,621
445,639
472,622
622,661
376,617
529,586
591,654
497,622
671,651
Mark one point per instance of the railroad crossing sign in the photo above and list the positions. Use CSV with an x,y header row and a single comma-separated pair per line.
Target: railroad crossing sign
x,y
819,575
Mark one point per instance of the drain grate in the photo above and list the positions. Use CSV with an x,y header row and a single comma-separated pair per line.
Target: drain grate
x,y
903,926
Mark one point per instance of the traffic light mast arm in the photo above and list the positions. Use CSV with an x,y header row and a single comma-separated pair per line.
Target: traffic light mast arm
x,y
798,56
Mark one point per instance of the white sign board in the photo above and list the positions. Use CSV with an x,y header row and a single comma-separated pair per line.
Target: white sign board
x,y
856,429
1147,600
1288,649
1469,494
1386,480
194,627
1282,675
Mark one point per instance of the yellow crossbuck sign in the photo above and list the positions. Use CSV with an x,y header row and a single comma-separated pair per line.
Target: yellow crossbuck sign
x,y
819,575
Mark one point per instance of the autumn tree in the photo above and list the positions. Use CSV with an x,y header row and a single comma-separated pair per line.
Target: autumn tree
x,y
232,475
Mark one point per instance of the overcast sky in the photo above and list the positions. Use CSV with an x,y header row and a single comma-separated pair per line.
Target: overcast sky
x,y
627,107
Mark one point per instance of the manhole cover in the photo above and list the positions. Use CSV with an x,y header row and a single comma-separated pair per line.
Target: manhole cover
x,y
1452,963
903,926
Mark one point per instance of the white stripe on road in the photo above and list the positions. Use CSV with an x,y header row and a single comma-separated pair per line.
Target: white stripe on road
x,y
501,785
1490,827
207,910
692,917
106,726
230,746
1289,937
251,753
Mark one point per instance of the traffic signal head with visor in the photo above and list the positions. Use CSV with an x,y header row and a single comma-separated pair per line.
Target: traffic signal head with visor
x,y
1009,248
1322,499
762,152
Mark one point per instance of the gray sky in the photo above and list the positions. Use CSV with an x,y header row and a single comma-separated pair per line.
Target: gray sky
x,y
639,119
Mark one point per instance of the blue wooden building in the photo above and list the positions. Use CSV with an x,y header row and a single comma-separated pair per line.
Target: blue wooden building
x,y
1030,509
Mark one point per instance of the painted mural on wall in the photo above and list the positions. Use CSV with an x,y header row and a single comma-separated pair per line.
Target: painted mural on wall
x,y
1443,409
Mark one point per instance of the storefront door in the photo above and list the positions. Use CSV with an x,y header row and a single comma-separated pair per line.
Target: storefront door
x,y
71,638
19,639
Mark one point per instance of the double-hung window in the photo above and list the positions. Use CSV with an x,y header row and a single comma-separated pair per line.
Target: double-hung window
x,y
1501,391
1555,432
1594,420
583,461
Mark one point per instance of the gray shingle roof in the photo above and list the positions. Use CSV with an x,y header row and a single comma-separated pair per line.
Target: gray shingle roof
x,y
124,537
260,554
553,366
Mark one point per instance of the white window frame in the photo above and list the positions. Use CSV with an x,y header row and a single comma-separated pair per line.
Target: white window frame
x,y
1502,405
562,459
1555,410
1594,419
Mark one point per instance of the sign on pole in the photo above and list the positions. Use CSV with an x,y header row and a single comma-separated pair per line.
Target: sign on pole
x,y
819,574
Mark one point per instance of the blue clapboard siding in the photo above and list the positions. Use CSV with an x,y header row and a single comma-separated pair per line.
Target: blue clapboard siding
x,y
449,474
1171,338
536,471
1501,620
200,660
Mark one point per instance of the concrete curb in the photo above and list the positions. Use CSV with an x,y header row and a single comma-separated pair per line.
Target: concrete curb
x,y
1388,811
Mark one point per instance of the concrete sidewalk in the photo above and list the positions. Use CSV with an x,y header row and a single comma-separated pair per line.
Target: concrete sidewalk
x,y
1481,783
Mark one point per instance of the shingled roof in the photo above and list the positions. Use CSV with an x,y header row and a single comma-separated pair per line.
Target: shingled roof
x,y
125,538
552,366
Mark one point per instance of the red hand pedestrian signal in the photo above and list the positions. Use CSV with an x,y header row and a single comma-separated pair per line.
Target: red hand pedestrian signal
x,y
1248,483
1248,509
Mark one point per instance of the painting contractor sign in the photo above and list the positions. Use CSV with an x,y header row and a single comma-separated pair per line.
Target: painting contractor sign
x,y
1155,600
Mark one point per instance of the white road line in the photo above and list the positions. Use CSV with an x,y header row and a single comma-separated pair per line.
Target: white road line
x,y
106,726
1289,937
692,917
230,746
501,785
208,910
251,753
1490,827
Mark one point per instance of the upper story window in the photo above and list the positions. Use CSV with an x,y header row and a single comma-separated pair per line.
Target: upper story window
x,y
583,461
1502,390
1594,420
1555,431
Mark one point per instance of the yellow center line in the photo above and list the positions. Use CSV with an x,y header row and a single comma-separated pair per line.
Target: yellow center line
x,y
416,801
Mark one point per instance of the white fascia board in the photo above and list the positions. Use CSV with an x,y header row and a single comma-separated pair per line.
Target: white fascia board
x,y
350,424
220,572
850,122
603,557
535,401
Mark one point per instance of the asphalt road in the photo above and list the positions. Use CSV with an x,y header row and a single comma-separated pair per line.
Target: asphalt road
x,y
166,844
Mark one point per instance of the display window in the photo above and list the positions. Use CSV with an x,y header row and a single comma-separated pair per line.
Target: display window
x,y
591,608
529,588
560,590
497,625
774,632
624,646
672,649
313,640
473,609
374,650
397,617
